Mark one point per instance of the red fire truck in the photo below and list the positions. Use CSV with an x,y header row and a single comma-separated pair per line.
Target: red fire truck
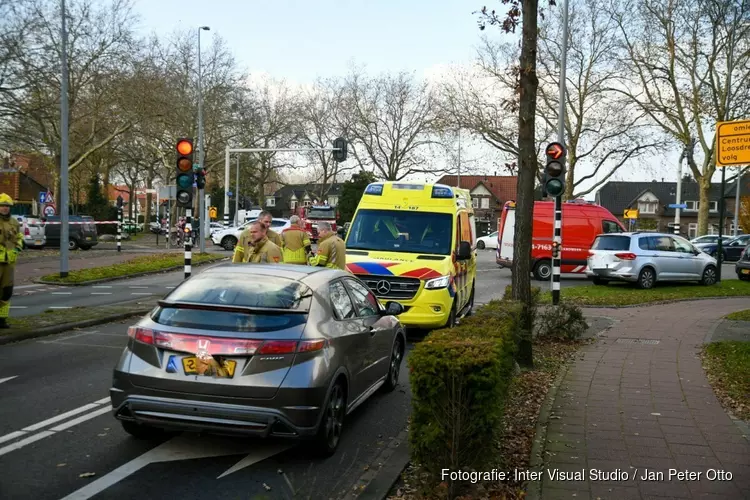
x,y
317,213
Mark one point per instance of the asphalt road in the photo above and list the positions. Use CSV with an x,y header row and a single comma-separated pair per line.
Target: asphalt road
x,y
56,424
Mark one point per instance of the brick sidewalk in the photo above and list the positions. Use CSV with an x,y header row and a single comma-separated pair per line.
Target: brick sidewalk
x,y
628,406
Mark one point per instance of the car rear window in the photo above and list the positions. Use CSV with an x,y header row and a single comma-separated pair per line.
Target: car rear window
x,y
243,290
611,242
227,321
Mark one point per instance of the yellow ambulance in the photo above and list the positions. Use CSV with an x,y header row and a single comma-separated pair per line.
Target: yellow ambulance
x,y
415,244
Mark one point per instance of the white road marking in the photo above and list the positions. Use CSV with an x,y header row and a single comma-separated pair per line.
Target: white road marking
x,y
137,287
11,436
103,401
101,293
253,458
102,286
141,293
83,418
61,293
7,378
62,416
19,307
183,448
61,307
82,344
20,444
22,287
170,287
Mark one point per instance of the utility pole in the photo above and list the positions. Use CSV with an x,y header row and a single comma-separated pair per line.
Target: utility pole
x,y
737,203
678,195
64,219
237,194
201,197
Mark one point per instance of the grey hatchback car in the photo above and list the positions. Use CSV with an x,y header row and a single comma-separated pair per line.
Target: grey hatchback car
x,y
258,350
645,258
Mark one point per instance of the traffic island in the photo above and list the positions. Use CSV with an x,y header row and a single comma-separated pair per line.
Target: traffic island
x,y
137,266
626,295
60,320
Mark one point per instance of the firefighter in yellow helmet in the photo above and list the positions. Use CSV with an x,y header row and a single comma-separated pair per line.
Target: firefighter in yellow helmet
x,y
11,243
331,248
296,242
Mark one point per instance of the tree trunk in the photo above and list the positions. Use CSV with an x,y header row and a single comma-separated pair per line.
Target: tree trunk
x,y
704,190
521,285
149,185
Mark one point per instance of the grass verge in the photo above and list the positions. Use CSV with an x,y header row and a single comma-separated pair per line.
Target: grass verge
x,y
739,315
53,317
527,394
727,366
137,265
616,294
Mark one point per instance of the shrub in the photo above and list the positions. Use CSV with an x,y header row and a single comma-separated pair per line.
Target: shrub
x,y
459,382
535,293
562,321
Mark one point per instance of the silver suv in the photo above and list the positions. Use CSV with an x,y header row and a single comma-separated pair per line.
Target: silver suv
x,y
645,258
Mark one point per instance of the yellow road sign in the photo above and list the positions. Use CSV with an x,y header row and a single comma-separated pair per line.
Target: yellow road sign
x,y
212,212
630,213
732,143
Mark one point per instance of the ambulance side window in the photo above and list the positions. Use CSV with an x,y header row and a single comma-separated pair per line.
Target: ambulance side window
x,y
458,233
465,227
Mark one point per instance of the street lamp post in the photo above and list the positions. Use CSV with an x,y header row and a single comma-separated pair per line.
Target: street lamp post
x,y
64,229
201,197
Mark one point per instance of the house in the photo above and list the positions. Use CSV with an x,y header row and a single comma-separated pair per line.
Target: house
x,y
20,177
287,199
652,200
488,195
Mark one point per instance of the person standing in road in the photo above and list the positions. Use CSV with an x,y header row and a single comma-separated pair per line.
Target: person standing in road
x,y
296,243
331,249
11,243
255,247
266,218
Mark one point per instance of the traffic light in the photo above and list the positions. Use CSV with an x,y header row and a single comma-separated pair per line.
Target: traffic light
x,y
553,183
184,179
200,179
340,144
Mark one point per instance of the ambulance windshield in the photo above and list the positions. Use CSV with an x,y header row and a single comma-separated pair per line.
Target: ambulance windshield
x,y
400,231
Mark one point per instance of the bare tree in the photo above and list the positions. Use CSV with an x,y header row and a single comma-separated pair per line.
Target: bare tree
x,y
603,130
688,66
322,118
391,124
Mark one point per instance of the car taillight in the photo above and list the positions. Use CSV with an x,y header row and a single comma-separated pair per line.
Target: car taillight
x,y
278,347
311,345
626,256
143,335
591,253
26,231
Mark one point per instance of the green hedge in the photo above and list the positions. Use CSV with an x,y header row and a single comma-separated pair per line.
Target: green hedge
x,y
459,382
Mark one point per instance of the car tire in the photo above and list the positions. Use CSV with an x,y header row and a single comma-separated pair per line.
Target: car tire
x,y
646,278
228,243
743,277
332,423
394,366
709,276
480,245
599,281
72,244
140,431
451,317
543,270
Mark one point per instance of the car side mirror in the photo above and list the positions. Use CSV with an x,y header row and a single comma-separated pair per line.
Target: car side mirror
x,y
464,251
393,308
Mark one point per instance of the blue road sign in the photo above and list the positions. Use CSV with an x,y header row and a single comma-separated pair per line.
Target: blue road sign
x,y
229,193
675,205
42,196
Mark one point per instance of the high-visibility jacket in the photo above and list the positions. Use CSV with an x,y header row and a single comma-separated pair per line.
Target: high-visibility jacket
x,y
331,252
11,239
296,245
263,252
274,237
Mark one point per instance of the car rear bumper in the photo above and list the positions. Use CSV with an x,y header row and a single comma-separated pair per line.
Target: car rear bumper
x,y
613,274
194,412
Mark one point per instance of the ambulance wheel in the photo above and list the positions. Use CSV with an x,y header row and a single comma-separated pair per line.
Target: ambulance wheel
x,y
543,270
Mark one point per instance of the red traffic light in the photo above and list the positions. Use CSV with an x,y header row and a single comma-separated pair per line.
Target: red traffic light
x,y
185,147
555,150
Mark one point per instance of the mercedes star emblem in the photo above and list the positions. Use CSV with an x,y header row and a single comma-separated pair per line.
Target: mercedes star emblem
x,y
383,287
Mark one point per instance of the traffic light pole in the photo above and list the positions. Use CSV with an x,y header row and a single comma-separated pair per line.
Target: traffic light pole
x,y
557,232
188,235
229,151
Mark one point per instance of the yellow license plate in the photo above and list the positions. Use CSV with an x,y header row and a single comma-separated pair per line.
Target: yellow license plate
x,y
193,366
746,271
38,242
88,238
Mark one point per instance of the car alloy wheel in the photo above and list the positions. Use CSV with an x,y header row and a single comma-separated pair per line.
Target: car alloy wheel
x,y
334,416
480,245
646,279
709,276
395,368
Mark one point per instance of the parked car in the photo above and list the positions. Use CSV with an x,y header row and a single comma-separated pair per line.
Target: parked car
x,y
82,232
645,258
489,241
258,350
33,231
742,267
731,250
709,238
227,238
130,226
581,223
215,227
